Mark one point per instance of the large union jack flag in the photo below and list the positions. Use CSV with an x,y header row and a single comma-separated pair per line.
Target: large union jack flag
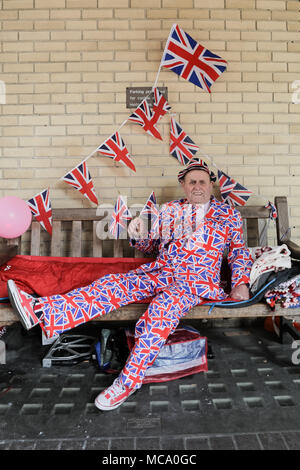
x,y
119,218
40,206
160,105
181,145
232,192
186,57
145,118
80,179
114,147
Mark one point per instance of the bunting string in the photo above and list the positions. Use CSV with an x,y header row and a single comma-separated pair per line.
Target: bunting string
x,y
192,62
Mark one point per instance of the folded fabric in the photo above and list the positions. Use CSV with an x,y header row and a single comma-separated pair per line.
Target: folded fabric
x,y
268,259
286,294
48,275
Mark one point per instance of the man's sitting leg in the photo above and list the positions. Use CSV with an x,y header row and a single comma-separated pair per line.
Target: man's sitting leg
x,y
152,331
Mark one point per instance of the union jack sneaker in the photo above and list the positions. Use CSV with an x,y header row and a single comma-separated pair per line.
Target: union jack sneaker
x,y
113,396
23,304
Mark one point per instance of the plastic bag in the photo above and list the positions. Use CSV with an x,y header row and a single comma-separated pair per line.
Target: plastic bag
x,y
184,353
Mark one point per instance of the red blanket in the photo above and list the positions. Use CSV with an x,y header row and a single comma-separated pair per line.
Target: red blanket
x,y
45,275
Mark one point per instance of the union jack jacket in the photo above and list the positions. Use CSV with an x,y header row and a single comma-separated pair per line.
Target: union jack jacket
x,y
195,255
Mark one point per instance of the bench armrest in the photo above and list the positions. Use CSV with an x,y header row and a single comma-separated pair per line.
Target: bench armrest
x,y
294,249
8,253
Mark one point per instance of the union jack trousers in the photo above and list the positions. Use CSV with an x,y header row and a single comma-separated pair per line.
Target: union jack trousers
x,y
170,303
185,273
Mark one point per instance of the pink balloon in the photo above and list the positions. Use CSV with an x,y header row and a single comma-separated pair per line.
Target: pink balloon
x,y
15,217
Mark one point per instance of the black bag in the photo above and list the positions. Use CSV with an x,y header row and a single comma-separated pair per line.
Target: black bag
x,y
267,281
112,350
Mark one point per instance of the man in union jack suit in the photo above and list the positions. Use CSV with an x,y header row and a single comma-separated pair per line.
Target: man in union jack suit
x,y
189,242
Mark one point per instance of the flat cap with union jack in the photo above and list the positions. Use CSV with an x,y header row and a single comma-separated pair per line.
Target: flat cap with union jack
x,y
196,164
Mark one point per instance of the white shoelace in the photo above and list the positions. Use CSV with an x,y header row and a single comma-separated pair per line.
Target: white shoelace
x,y
116,388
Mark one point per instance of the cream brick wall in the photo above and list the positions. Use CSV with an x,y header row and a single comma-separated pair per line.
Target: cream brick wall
x,y
66,65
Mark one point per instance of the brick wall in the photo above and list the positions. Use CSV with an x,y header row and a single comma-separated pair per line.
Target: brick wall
x,y
66,69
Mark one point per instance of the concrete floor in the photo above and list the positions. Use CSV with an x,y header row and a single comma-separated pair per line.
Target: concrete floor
x,y
249,399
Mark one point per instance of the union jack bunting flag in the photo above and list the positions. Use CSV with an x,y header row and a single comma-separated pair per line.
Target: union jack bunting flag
x,y
150,210
181,145
80,179
114,147
273,210
119,218
145,118
232,192
160,105
191,61
40,206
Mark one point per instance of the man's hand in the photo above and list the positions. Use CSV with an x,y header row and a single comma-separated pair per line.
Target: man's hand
x,y
137,229
240,292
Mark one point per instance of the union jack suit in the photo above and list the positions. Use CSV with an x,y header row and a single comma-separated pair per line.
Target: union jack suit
x,y
185,273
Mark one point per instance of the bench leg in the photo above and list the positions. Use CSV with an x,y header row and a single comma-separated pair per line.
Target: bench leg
x,y
2,352
286,327
46,341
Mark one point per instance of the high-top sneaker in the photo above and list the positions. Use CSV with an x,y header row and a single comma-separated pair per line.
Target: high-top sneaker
x,y
113,396
24,305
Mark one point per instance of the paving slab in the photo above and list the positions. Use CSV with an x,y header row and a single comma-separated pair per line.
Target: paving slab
x,y
248,399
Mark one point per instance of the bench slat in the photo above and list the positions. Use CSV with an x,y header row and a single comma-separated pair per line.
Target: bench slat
x,y
56,238
118,249
76,238
133,312
252,232
282,221
245,231
263,232
35,241
97,243
13,241
79,213
254,212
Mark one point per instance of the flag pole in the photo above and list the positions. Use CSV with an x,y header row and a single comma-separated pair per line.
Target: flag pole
x,y
160,65
157,75
210,158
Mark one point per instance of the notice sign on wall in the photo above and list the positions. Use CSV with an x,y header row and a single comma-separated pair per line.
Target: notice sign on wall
x,y
134,95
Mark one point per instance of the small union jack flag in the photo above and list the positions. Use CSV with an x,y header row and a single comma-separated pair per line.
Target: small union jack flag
x,y
119,218
151,211
273,210
80,179
232,192
160,105
40,206
191,61
150,205
181,145
145,118
114,147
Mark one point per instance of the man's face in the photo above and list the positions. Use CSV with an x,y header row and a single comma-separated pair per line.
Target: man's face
x,y
197,187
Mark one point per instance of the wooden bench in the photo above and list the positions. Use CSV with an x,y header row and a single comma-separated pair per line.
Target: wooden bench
x,y
75,237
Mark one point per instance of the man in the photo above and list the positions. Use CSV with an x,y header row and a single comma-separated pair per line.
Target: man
x,y
189,242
